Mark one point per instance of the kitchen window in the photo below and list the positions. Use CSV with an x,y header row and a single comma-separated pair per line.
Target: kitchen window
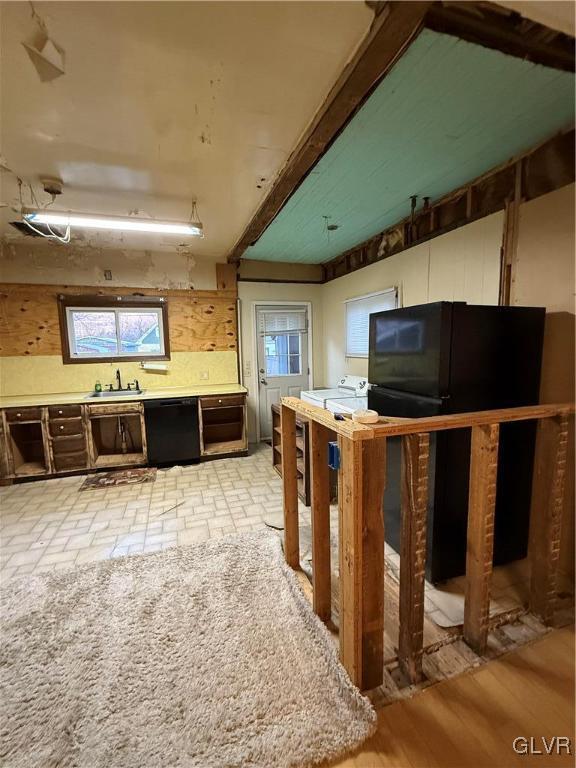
x,y
358,313
113,328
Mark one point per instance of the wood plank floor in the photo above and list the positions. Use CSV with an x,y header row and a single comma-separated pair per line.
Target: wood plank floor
x,y
471,721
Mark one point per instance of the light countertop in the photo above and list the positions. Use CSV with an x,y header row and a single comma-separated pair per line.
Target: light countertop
x,y
65,398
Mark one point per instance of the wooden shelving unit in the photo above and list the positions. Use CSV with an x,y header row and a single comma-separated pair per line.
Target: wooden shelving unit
x,y
223,425
302,460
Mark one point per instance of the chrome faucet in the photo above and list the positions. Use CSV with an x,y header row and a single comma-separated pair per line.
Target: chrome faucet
x,y
118,379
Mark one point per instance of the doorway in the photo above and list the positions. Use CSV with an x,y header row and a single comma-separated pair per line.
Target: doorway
x,y
282,357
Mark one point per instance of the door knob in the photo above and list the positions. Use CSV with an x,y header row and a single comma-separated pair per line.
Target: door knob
x,y
263,381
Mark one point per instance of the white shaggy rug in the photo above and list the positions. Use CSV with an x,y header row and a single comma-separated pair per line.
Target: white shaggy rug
x,y
205,656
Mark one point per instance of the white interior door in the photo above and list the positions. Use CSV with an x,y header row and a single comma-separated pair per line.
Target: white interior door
x,y
282,334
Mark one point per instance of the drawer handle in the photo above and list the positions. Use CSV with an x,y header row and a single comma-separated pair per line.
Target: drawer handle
x,y
18,415
60,413
219,401
61,427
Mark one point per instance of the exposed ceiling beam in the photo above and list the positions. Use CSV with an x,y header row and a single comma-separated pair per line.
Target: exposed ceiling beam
x,y
392,31
493,26
395,26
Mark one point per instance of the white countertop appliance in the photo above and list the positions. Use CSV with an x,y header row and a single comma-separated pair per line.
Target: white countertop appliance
x,y
347,404
348,387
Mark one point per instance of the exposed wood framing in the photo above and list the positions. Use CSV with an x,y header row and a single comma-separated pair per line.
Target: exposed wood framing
x,y
320,502
480,539
361,481
537,172
226,277
290,486
414,506
510,239
546,513
493,26
395,26
390,34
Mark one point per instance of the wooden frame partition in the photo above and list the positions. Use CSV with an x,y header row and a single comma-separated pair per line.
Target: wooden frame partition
x,y
361,483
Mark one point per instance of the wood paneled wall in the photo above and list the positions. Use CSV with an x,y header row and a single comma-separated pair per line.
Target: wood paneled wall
x,y
200,321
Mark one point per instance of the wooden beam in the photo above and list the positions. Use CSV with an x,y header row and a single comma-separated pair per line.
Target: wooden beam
x,y
470,419
546,513
390,34
414,506
320,502
510,238
226,277
361,481
290,486
480,540
347,427
504,30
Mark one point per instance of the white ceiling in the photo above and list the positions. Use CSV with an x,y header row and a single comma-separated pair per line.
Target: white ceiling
x,y
165,101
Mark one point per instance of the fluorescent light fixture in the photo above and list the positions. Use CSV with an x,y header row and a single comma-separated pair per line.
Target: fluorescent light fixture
x,y
119,223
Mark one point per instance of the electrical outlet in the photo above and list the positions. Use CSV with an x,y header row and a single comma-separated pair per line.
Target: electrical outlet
x,y
204,376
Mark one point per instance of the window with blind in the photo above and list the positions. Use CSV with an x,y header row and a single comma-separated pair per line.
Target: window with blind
x,y
358,313
282,331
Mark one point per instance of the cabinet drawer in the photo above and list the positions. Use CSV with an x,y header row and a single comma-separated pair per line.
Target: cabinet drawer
x,y
221,401
23,414
64,411
75,444
65,427
116,409
68,461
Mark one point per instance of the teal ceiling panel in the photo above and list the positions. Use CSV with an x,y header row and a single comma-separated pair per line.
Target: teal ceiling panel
x,y
448,112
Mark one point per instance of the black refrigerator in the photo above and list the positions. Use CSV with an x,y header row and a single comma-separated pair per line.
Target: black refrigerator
x,y
450,357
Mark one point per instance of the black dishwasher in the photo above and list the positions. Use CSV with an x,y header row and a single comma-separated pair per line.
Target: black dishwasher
x,y
172,431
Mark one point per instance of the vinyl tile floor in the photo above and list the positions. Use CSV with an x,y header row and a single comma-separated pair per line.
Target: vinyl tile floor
x,y
47,525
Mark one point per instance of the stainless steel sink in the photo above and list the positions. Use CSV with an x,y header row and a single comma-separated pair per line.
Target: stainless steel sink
x,y
117,393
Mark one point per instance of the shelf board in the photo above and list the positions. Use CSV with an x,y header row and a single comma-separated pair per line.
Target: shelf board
x,y
31,468
115,459
227,446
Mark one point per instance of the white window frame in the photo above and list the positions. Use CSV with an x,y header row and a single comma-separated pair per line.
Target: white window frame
x,y
297,333
347,304
124,309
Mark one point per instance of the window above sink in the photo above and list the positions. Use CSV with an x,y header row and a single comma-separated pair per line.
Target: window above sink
x,y
113,328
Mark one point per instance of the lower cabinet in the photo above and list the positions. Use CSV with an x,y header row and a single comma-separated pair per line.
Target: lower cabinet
x,y
223,425
117,435
39,441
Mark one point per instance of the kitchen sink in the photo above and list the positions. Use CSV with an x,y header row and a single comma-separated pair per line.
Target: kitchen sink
x,y
116,393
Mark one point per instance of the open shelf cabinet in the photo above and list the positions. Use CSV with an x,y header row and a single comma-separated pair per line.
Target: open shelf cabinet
x,y
302,453
223,425
117,438
28,449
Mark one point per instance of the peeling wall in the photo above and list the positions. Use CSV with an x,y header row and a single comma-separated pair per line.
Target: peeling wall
x,y
84,265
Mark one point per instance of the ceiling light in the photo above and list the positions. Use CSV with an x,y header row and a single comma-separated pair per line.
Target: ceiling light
x,y
119,223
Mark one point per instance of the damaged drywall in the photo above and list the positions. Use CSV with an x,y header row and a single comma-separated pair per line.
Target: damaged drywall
x,y
85,265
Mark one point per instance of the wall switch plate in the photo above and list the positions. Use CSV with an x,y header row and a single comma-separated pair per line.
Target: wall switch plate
x,y
204,376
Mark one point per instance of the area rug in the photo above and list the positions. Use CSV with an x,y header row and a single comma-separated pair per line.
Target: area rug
x,y
120,477
207,655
